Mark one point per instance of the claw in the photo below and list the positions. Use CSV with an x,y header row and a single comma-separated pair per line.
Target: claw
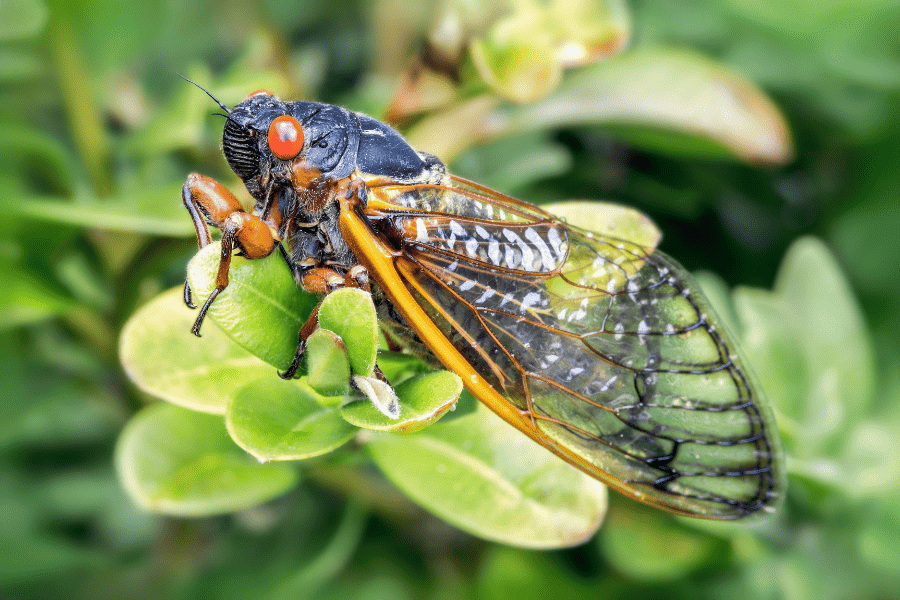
x,y
187,296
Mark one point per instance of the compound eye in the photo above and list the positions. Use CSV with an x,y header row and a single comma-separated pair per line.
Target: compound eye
x,y
285,137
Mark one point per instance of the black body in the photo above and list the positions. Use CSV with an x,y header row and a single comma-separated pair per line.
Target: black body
x,y
336,143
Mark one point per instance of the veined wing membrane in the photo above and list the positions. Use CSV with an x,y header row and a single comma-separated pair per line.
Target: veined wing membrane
x,y
601,343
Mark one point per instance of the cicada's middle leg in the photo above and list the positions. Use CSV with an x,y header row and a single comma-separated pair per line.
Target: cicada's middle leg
x,y
210,202
323,280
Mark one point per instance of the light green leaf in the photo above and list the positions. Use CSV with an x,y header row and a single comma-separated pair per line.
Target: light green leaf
x,y
877,542
810,347
350,314
871,461
262,309
163,358
606,218
483,476
327,364
423,399
179,462
21,18
666,90
283,421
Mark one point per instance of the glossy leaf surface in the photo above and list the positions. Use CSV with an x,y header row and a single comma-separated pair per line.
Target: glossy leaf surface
x,y
281,420
164,359
488,479
180,462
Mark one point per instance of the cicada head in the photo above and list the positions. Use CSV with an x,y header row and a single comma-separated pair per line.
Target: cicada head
x,y
269,143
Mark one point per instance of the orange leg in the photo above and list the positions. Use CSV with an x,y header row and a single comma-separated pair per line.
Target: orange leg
x,y
322,280
208,201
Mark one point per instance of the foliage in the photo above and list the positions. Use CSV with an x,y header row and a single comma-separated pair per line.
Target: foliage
x,y
754,134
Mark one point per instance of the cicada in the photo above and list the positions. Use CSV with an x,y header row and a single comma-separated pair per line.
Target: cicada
x,y
600,349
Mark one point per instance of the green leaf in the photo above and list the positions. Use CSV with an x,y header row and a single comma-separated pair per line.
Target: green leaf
x,y
519,67
667,90
31,150
15,66
283,421
810,347
870,460
864,234
606,218
673,101
162,357
523,53
397,366
262,309
440,133
523,575
648,545
350,314
423,400
26,298
151,212
483,476
179,462
21,18
513,163
327,364
330,562
877,541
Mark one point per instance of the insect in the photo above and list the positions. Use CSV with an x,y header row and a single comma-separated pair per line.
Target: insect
x,y
597,348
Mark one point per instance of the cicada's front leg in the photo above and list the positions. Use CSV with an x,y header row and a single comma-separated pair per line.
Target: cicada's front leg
x,y
208,201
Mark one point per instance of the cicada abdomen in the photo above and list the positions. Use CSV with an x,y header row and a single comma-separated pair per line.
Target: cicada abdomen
x,y
600,349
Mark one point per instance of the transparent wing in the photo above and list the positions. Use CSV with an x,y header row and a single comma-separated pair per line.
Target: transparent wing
x,y
607,347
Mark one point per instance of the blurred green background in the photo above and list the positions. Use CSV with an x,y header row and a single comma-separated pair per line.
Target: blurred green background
x,y
762,138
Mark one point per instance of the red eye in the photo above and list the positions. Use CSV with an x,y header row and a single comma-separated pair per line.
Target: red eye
x,y
285,137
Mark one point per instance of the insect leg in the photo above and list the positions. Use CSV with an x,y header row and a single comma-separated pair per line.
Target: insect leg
x,y
228,234
312,323
209,202
206,200
322,280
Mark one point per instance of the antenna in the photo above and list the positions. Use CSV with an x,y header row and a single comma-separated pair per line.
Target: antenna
x,y
225,108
